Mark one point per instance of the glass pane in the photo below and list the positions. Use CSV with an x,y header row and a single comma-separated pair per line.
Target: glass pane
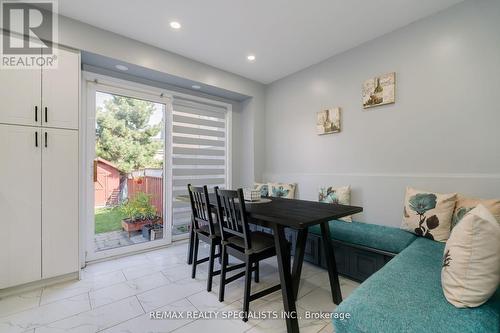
x,y
128,171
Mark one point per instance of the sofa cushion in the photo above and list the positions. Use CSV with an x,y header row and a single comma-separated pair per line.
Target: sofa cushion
x,y
281,190
336,195
428,214
471,264
465,205
406,296
263,188
376,236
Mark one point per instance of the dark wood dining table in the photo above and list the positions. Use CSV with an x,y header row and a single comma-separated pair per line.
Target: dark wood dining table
x,y
279,214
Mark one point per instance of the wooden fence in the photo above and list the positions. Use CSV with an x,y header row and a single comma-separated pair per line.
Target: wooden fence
x,y
152,186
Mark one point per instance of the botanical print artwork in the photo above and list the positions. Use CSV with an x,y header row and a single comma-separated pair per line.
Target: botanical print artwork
x,y
263,188
420,203
429,214
334,195
460,213
280,192
466,204
328,195
379,91
328,121
447,258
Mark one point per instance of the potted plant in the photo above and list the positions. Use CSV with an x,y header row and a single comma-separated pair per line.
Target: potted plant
x,y
139,212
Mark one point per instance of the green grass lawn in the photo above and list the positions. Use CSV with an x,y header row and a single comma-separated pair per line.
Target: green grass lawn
x,y
108,219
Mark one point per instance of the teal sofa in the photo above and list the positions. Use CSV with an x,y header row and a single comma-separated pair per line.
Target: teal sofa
x,y
361,249
375,236
406,296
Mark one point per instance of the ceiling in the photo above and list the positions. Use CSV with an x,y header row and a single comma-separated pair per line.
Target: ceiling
x,y
285,35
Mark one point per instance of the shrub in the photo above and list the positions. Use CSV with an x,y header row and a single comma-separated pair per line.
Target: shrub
x,y
139,208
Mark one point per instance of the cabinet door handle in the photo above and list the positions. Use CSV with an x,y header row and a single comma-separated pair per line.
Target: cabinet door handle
x,y
36,139
46,142
36,114
46,114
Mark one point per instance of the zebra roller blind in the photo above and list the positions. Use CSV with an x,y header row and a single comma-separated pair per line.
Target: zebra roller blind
x,y
199,153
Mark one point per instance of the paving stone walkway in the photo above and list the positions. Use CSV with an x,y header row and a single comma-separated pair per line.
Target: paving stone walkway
x,y
114,239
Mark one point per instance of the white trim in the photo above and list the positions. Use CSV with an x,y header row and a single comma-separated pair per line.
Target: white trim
x,y
389,175
36,285
229,140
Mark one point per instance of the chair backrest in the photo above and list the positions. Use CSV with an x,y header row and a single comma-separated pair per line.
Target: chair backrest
x,y
200,206
232,217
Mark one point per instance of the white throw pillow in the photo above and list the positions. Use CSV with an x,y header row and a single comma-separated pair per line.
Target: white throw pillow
x,y
263,188
336,195
471,264
282,190
428,214
465,205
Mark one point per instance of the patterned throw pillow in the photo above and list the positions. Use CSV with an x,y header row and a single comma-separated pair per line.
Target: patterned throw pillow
x,y
280,190
471,269
428,214
263,188
465,205
336,195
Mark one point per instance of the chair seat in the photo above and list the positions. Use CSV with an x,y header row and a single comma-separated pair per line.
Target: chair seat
x,y
205,230
260,242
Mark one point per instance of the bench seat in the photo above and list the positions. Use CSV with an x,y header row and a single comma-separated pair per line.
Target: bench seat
x,y
406,296
384,238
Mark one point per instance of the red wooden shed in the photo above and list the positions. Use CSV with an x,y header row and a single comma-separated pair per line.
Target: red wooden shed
x,y
107,183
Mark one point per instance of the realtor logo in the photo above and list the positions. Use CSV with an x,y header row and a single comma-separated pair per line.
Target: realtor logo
x,y
29,32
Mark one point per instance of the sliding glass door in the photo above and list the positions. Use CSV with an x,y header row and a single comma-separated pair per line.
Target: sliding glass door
x,y
129,168
143,148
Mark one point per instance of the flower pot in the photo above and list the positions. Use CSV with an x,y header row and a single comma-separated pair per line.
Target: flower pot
x,y
130,225
156,233
146,231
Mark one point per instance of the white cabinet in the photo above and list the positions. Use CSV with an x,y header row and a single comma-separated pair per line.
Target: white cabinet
x,y
20,205
59,202
60,91
20,96
39,172
47,97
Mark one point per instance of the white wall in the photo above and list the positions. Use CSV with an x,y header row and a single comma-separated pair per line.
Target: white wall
x,y
249,115
442,134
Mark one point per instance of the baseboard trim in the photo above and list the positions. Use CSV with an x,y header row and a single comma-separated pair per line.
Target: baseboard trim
x,y
38,284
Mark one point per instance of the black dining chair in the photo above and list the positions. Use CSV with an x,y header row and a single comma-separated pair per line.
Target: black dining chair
x,y
204,229
241,243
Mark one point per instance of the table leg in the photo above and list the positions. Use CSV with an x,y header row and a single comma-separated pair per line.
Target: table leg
x,y
330,262
191,243
286,281
298,260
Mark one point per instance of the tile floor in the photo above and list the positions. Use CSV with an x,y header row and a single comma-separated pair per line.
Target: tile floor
x,y
118,295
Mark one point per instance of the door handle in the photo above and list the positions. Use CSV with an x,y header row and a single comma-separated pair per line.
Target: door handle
x,y
46,142
36,139
95,171
46,114
36,114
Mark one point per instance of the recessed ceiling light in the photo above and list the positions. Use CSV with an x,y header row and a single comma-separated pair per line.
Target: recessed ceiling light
x,y
195,86
122,67
251,57
175,25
